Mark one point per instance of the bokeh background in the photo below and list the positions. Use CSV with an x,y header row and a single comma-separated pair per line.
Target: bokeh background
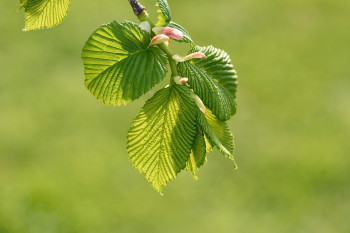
x,y
63,161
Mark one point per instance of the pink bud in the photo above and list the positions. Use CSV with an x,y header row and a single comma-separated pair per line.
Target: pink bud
x,y
173,33
168,31
195,55
181,81
158,39
189,57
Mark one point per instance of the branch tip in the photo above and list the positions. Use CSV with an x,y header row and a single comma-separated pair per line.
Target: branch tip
x,y
137,7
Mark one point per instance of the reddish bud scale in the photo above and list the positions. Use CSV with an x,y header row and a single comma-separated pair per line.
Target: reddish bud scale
x,y
158,39
195,55
181,81
173,33
168,31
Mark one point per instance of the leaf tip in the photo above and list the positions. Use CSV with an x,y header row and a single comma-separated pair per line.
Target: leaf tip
x,y
235,166
158,188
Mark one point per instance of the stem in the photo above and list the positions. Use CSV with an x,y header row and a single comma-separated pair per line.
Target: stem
x,y
141,13
144,17
172,62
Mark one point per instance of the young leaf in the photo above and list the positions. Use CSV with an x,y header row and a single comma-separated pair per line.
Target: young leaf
x,y
44,13
214,139
164,16
221,130
161,137
187,37
213,94
218,65
208,145
198,154
119,64
219,135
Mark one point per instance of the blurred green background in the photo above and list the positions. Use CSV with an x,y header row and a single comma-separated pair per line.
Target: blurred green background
x,y
63,161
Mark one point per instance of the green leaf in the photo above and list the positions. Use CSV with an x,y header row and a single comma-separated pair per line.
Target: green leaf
x,y
119,64
22,3
217,133
221,130
198,154
44,13
161,137
208,145
187,37
213,94
164,16
218,65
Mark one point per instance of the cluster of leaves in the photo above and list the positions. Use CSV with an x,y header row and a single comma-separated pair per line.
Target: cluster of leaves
x,y
172,132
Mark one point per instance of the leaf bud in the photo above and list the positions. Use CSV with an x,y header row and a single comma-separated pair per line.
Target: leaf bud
x,y
180,80
158,39
195,55
170,32
173,33
183,81
189,57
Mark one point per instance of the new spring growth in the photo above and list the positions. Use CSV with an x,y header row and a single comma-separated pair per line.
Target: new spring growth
x,y
172,113
168,31
199,103
163,34
195,55
161,38
180,80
